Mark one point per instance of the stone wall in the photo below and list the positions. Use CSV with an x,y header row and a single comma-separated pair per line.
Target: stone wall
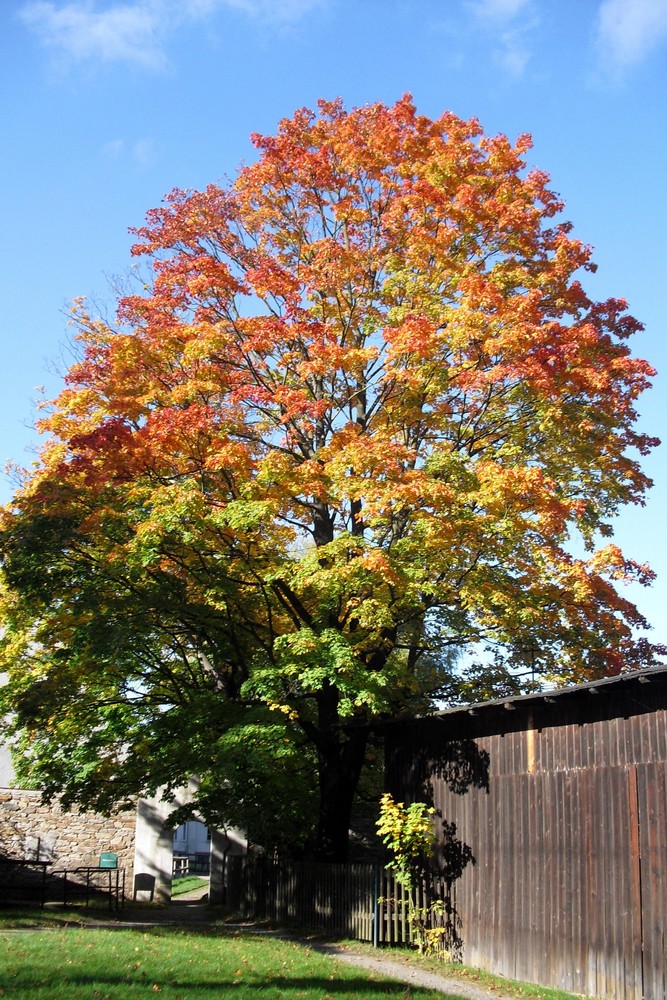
x,y
32,829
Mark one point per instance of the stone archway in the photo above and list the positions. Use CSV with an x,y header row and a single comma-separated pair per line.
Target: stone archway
x,y
154,846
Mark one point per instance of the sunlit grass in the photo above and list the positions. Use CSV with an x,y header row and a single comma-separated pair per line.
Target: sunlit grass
x,y
217,950
178,965
189,883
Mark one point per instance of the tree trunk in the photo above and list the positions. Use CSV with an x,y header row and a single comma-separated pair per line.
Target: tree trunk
x,y
341,757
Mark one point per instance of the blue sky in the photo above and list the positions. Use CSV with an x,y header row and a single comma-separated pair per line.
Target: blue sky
x,y
105,106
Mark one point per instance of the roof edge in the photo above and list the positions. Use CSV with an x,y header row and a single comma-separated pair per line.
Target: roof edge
x,y
643,676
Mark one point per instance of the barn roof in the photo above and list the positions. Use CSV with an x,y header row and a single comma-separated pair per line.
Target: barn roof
x,y
606,685
631,693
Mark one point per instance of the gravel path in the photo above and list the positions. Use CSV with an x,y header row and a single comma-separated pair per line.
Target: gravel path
x,y
405,972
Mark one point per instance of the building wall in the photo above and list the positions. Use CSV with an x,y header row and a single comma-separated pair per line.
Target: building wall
x,y
192,837
6,767
564,806
69,839
31,829
154,848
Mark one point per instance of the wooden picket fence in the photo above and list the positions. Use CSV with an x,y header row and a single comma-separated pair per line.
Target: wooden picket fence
x,y
359,901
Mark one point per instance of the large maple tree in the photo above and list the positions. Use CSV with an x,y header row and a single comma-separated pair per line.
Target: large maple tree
x,y
361,412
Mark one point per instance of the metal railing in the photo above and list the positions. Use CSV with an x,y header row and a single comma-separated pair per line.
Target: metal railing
x,y
22,880
88,883
27,881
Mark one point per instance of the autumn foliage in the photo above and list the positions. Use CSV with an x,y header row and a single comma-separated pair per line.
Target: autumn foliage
x,y
362,411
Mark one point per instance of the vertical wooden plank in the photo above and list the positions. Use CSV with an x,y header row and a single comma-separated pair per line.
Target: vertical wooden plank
x,y
625,758
622,882
616,810
382,909
524,942
661,730
468,909
474,905
551,879
546,750
630,975
567,866
633,971
568,857
514,811
652,804
496,855
389,929
599,839
521,741
576,728
609,858
635,738
560,745
601,846
533,888
648,737
590,942
585,741
573,746
606,851
580,886
397,896
507,931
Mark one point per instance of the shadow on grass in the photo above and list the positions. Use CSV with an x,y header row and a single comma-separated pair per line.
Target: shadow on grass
x,y
305,985
180,964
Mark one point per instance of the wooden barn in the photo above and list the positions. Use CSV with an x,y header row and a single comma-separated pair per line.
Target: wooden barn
x,y
562,798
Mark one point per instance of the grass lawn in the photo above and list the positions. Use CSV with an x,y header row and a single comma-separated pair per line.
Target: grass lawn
x,y
216,963
75,964
187,884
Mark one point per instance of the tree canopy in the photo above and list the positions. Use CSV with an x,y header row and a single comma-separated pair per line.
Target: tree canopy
x,y
361,413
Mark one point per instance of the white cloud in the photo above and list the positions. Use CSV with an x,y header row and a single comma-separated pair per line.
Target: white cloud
x,y
512,54
113,149
511,22
142,151
135,31
79,32
628,29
